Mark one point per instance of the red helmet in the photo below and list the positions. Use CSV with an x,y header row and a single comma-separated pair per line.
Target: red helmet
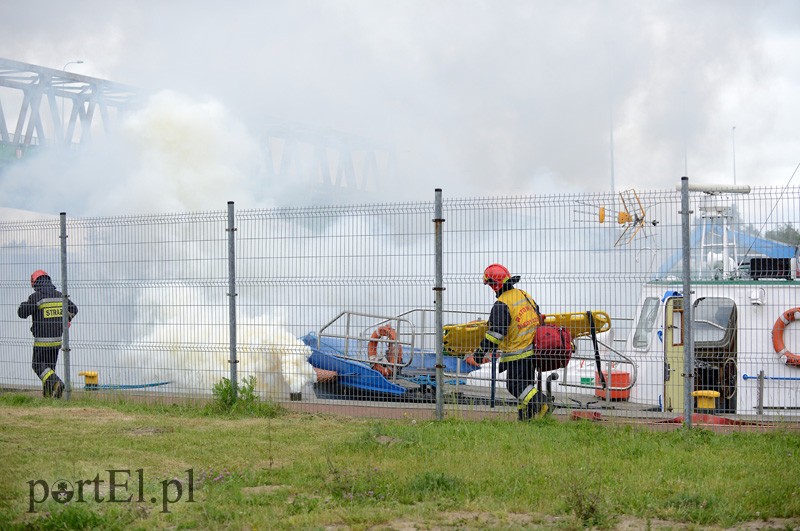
x,y
495,276
36,274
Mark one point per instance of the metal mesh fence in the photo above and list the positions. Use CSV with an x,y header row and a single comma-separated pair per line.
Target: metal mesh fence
x,y
335,305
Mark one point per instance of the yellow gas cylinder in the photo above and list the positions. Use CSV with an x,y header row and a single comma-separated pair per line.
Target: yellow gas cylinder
x,y
706,398
90,378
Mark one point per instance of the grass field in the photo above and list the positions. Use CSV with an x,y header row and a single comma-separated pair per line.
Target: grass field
x,y
125,465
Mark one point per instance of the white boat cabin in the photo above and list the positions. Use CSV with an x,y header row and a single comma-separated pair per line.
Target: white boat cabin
x,y
734,327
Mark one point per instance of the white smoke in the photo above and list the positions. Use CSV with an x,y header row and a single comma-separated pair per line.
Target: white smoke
x,y
188,155
174,154
195,351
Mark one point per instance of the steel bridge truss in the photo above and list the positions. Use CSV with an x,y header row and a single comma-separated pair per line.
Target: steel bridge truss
x,y
62,109
45,94
328,158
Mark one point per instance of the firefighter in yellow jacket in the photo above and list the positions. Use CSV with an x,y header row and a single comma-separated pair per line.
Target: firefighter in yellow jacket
x,y
511,328
45,306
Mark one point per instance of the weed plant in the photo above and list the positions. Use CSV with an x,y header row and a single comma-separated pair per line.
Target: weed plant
x,y
241,399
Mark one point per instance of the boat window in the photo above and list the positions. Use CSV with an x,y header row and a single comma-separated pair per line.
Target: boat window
x,y
712,317
647,318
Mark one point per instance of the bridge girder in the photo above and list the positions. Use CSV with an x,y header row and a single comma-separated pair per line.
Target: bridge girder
x,y
39,90
332,159
305,155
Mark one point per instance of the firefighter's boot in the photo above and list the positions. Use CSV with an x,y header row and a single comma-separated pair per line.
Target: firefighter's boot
x,y
532,404
52,386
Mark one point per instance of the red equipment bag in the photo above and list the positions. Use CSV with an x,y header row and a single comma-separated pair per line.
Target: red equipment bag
x,y
553,347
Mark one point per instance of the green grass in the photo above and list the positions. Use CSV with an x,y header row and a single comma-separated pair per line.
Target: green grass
x,y
262,467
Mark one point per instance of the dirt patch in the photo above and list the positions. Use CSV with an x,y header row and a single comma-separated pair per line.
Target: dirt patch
x,y
485,520
263,489
139,432
386,440
629,523
466,520
83,413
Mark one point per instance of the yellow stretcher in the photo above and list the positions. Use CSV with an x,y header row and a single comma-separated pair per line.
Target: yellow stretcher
x,y
463,339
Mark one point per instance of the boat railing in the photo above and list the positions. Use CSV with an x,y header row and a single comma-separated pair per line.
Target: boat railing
x,y
425,320
358,329
610,361
416,332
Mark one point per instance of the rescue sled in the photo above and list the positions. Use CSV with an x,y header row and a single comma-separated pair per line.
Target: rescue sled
x,y
463,339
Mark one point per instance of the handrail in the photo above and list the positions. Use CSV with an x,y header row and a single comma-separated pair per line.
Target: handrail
x,y
785,378
624,360
362,336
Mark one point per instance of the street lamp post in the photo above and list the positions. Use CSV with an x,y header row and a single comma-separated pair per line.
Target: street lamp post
x,y
63,103
733,143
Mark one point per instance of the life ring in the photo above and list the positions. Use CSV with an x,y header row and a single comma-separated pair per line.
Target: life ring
x,y
786,317
394,353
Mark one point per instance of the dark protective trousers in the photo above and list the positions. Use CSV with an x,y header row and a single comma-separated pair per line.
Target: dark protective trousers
x,y
44,365
520,379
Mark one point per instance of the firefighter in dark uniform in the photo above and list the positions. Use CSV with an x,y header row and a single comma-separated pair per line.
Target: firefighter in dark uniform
x,y
45,306
511,328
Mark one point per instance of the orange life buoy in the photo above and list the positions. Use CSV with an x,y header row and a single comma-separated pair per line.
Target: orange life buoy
x,y
777,336
394,353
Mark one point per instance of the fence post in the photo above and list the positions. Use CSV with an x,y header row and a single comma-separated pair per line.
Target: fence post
x,y
65,309
688,339
232,297
438,289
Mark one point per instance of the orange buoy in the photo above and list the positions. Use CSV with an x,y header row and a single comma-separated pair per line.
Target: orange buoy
x,y
786,317
394,353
